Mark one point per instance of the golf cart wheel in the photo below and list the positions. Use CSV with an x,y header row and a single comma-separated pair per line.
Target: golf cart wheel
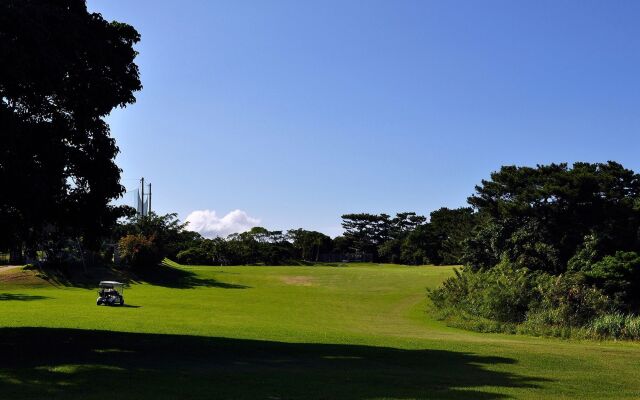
x,y
121,301
99,302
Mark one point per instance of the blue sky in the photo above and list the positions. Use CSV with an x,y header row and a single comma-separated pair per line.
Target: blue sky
x,y
296,112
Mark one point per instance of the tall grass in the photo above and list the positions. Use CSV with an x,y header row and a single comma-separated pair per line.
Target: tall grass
x,y
517,300
615,326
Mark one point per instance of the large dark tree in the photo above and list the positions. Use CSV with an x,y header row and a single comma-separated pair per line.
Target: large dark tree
x,y
62,71
541,217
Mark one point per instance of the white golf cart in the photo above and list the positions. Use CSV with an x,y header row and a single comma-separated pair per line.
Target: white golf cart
x,y
110,293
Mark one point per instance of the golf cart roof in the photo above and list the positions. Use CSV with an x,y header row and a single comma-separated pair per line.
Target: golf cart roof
x,y
109,284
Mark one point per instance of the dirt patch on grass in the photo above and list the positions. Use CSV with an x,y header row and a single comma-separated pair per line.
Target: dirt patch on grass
x,y
298,280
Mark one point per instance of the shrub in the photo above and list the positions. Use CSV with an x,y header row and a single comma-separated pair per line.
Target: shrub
x,y
567,301
139,251
618,275
632,327
509,299
506,294
501,294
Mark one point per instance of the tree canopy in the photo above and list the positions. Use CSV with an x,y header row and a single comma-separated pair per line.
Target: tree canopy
x,y
540,217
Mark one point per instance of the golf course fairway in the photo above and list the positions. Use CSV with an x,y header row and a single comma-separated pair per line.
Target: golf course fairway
x,y
357,331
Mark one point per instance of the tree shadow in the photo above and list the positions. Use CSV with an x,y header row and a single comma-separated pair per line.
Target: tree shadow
x,y
46,362
20,297
175,278
160,275
89,279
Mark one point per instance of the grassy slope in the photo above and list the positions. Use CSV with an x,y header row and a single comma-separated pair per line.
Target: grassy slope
x,y
284,332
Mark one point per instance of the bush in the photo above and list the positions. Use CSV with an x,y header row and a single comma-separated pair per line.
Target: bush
x,y
619,276
139,251
567,301
509,299
501,294
632,327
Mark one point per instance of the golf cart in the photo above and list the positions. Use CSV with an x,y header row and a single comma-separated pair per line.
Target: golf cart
x,y
110,293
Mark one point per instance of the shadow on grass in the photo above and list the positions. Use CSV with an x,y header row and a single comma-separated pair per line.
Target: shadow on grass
x,y
160,275
70,364
20,297
176,278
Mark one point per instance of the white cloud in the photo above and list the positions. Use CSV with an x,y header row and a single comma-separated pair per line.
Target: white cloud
x,y
208,224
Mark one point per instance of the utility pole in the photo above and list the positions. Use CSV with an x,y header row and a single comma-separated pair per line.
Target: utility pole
x,y
149,213
142,197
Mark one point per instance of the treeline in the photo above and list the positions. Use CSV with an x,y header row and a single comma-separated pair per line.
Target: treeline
x,y
407,238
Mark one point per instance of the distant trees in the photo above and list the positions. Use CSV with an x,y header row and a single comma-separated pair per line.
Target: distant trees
x,y
409,238
365,232
261,245
406,238
310,245
63,70
258,245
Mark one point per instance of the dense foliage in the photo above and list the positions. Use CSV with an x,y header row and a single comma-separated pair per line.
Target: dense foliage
x,y
540,217
554,249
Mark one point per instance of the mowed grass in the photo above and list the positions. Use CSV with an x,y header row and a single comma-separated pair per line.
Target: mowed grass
x,y
323,332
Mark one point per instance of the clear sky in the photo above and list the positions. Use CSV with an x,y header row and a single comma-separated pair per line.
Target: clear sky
x,y
296,112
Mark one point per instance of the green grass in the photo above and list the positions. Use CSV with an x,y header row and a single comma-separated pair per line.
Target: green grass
x,y
326,332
